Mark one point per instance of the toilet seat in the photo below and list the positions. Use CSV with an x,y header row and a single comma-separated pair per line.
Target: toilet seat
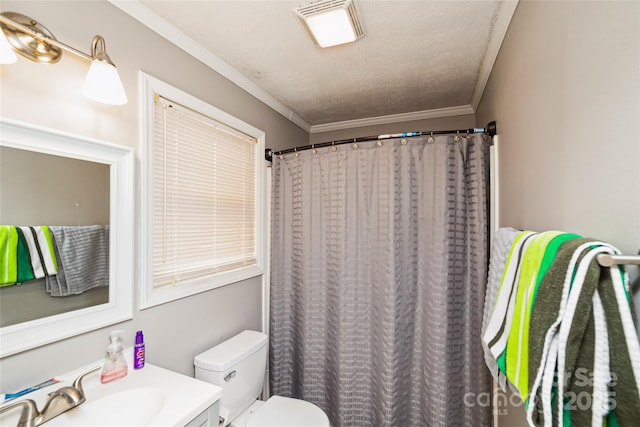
x,y
281,411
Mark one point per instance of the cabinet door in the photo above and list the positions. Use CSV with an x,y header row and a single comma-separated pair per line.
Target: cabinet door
x,y
207,418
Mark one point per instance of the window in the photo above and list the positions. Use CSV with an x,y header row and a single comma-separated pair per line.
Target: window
x,y
203,188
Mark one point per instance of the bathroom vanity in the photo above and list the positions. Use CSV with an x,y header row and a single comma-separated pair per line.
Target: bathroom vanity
x,y
148,396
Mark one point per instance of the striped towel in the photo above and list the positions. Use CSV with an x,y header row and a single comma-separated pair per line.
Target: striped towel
x,y
83,252
583,345
562,333
502,315
8,255
25,270
26,253
500,248
535,262
40,246
507,335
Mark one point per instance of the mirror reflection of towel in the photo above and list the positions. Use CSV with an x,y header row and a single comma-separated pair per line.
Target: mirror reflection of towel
x,y
40,245
83,259
8,254
25,270
26,253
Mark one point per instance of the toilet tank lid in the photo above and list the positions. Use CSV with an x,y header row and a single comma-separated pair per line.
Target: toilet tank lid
x,y
228,353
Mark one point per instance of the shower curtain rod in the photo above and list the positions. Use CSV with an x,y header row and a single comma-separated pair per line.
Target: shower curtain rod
x,y
491,130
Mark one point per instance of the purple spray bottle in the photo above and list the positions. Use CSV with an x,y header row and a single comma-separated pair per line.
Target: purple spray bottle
x,y
138,351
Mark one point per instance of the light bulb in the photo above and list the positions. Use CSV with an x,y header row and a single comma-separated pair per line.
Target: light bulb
x,y
102,84
7,55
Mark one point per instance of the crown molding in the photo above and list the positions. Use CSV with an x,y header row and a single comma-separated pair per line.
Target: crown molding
x,y
394,118
145,16
500,27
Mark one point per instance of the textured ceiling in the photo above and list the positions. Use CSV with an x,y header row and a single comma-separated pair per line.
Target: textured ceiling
x,y
415,56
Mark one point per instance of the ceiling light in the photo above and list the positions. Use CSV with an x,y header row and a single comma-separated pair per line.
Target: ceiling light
x,y
331,22
33,41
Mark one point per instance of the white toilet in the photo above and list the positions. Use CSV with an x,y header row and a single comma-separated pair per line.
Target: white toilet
x,y
238,365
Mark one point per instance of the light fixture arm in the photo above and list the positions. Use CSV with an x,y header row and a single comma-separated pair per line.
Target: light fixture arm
x,y
42,37
35,42
99,50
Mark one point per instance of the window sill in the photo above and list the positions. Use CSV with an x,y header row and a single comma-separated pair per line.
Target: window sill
x,y
151,297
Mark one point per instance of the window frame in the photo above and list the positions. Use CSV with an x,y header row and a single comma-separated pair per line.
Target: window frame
x,y
150,296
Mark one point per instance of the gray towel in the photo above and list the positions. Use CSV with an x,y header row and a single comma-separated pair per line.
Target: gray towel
x,y
500,248
83,259
56,284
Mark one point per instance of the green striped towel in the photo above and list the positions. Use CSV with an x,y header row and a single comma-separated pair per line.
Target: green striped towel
x,y
584,354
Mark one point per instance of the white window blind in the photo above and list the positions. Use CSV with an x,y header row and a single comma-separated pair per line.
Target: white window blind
x,y
204,196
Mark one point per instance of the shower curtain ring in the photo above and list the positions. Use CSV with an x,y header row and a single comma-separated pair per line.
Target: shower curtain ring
x,y
431,139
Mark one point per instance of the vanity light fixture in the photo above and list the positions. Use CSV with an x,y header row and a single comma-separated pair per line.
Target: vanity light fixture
x,y
331,22
33,41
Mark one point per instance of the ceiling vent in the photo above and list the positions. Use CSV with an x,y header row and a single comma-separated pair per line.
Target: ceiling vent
x,y
331,22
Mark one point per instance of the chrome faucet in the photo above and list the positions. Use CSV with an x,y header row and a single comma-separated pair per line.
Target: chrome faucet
x,y
29,413
59,401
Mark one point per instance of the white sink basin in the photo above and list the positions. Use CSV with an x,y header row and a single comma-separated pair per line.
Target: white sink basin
x,y
151,396
137,406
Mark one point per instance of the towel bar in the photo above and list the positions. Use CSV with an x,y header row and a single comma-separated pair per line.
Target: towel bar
x,y
607,260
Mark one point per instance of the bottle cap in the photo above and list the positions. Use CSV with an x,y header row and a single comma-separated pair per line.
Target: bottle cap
x,y
139,337
115,345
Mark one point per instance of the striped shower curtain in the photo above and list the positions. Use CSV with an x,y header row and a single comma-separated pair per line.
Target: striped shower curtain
x,y
378,273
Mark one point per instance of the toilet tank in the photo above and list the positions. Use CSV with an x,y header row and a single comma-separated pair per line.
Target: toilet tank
x,y
237,365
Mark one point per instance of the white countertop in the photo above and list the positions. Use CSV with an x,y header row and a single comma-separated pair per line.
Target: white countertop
x,y
173,399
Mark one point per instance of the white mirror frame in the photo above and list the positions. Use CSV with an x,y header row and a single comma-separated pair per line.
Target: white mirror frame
x,y
34,333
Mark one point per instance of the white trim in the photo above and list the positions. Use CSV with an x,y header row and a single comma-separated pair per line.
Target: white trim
x,y
34,333
494,186
494,224
266,277
138,11
503,19
394,118
150,296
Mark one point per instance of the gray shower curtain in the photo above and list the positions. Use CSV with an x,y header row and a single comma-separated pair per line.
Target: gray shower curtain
x,y
378,272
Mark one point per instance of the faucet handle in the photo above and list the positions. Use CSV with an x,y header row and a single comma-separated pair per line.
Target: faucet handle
x,y
77,383
65,398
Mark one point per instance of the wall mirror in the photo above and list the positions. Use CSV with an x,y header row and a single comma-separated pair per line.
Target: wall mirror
x,y
70,184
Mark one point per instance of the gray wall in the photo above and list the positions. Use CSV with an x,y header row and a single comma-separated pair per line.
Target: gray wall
x,y
441,123
565,92
49,95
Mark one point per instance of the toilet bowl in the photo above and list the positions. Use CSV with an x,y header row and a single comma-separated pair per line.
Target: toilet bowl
x,y
238,366
281,411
